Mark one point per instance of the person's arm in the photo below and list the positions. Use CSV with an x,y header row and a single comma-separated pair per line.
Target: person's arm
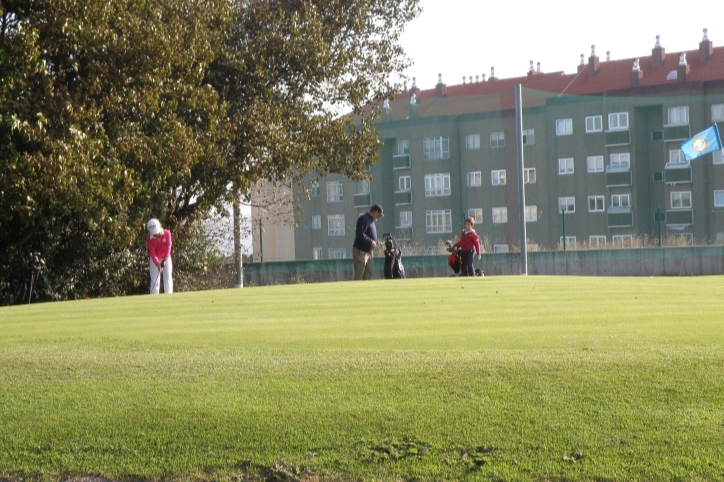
x,y
167,244
477,245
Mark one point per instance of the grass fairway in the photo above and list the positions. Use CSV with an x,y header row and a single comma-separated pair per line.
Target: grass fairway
x,y
497,378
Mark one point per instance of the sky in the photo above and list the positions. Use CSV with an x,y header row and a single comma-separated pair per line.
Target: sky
x,y
459,38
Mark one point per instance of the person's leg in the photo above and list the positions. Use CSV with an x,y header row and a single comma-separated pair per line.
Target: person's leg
x,y
359,259
467,268
155,279
368,267
168,276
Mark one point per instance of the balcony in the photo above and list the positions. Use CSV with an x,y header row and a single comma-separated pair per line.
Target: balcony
x,y
677,132
618,177
401,161
677,172
362,200
403,197
680,217
620,217
618,138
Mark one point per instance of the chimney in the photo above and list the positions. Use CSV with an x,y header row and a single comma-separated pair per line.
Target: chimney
x,y
608,55
582,65
682,71
658,54
482,78
636,74
414,89
413,109
594,66
465,80
706,47
532,71
386,111
440,88
492,75
539,71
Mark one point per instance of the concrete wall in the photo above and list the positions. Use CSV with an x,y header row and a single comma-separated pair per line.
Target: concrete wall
x,y
686,261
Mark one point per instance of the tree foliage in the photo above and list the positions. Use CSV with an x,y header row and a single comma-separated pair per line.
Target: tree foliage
x,y
114,112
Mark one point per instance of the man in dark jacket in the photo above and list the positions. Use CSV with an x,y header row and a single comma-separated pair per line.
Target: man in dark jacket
x,y
365,240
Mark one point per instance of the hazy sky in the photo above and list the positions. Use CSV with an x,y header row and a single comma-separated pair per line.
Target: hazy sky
x,y
467,37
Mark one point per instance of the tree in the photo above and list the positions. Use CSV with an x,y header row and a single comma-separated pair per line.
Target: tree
x,y
114,112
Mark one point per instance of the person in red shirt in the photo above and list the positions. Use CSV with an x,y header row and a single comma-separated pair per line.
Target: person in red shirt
x,y
159,250
469,244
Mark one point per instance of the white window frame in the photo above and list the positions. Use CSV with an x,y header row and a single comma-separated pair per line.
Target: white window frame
x,y
528,137
476,214
405,219
564,127
335,191
566,204
717,157
363,186
472,142
620,200
620,161
438,221
531,214
680,199
403,147
337,253
314,191
599,204
570,242
316,253
317,221
594,164
475,179
678,115
500,215
622,240
618,121
404,183
596,241
335,225
527,175
436,148
437,185
676,156
717,113
565,166
594,123
719,199
498,177
497,139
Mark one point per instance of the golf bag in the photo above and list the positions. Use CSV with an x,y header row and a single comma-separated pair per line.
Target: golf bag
x,y
455,261
393,259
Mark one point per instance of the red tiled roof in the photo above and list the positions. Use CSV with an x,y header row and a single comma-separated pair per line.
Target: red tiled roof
x,y
613,75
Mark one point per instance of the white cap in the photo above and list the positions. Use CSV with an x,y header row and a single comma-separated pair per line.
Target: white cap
x,y
154,227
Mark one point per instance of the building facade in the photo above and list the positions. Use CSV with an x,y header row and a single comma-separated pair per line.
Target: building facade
x,y
601,151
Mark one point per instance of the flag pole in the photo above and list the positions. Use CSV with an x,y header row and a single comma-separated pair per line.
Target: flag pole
x,y
521,180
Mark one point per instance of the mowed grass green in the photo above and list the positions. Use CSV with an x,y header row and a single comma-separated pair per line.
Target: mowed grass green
x,y
497,378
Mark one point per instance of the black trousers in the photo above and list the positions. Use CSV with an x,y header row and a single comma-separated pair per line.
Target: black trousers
x,y
467,268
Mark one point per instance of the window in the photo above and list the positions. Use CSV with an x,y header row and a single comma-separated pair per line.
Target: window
x,y
594,163
403,146
620,162
622,240
566,205
531,214
565,166
497,178
620,200
316,253
681,200
500,248
474,179
315,189
683,239
436,148
676,156
363,186
437,185
570,242
335,191
337,253
367,167
405,219
595,204
528,137
594,123
564,127
439,221
717,113
335,224
472,142
405,183
679,115
317,222
719,199
476,214
497,139
717,157
529,175
618,121
500,215
596,241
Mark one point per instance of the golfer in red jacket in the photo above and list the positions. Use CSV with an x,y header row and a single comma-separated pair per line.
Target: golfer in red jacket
x,y
469,244
159,250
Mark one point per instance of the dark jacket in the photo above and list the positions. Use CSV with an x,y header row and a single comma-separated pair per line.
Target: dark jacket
x,y
365,233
